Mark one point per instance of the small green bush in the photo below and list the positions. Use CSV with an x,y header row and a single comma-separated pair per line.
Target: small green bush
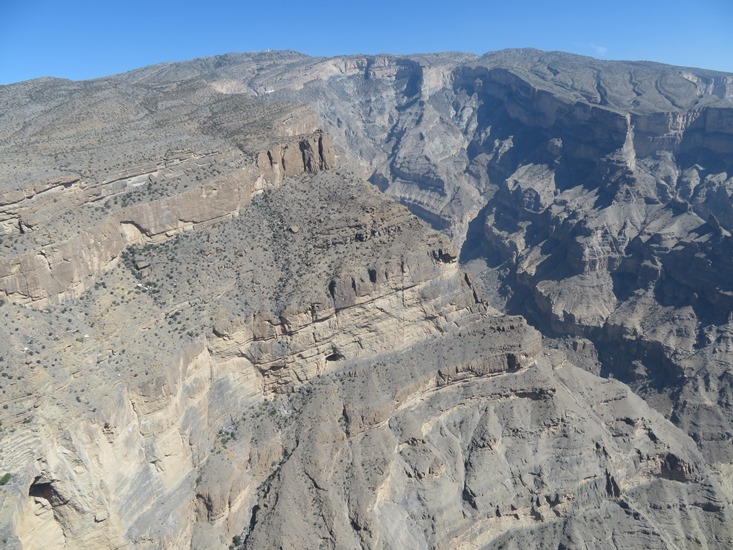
x,y
4,480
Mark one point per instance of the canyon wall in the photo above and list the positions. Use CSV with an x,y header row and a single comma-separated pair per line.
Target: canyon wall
x,y
216,334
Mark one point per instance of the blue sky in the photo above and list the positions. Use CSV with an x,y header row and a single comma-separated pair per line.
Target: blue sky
x,y
84,39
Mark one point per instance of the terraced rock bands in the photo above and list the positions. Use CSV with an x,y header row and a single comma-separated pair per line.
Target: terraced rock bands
x,y
433,301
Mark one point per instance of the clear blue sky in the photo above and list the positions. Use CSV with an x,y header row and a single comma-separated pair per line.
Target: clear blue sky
x,y
85,39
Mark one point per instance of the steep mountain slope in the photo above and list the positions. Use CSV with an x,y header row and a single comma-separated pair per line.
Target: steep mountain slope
x,y
215,331
602,192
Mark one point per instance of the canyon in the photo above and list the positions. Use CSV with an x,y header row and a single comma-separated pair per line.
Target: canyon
x,y
431,301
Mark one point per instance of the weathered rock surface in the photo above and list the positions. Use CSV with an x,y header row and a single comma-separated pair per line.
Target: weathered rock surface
x,y
161,362
61,232
403,456
214,331
601,190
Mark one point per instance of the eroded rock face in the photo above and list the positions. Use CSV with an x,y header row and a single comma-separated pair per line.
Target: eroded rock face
x,y
127,400
49,267
585,182
434,462
212,327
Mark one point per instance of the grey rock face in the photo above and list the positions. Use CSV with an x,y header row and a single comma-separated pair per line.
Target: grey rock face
x,y
214,330
602,191
539,456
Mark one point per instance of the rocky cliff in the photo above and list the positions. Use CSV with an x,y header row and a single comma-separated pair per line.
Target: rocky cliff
x,y
42,273
216,333
165,366
61,231
581,185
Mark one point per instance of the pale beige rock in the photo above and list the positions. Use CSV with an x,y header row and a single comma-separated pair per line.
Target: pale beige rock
x,y
66,269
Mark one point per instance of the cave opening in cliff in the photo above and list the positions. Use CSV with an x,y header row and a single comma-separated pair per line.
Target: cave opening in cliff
x,y
47,491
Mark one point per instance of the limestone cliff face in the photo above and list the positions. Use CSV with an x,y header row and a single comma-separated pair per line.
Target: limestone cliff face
x,y
600,190
448,127
64,269
454,481
163,445
384,306
212,327
586,181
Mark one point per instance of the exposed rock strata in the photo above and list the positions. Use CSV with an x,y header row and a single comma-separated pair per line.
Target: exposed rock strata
x,y
585,180
138,458
435,463
66,267
243,342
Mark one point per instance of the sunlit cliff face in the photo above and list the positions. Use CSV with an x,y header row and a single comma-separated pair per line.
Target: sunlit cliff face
x,y
224,324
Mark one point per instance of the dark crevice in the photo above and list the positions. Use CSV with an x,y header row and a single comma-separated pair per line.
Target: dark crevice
x,y
47,491
612,488
335,356
252,523
469,498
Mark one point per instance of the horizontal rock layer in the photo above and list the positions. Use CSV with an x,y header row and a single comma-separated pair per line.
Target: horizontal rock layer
x,y
65,269
310,366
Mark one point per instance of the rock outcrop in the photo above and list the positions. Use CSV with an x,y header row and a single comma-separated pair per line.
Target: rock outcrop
x,y
216,334
583,182
61,234
404,457
156,402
